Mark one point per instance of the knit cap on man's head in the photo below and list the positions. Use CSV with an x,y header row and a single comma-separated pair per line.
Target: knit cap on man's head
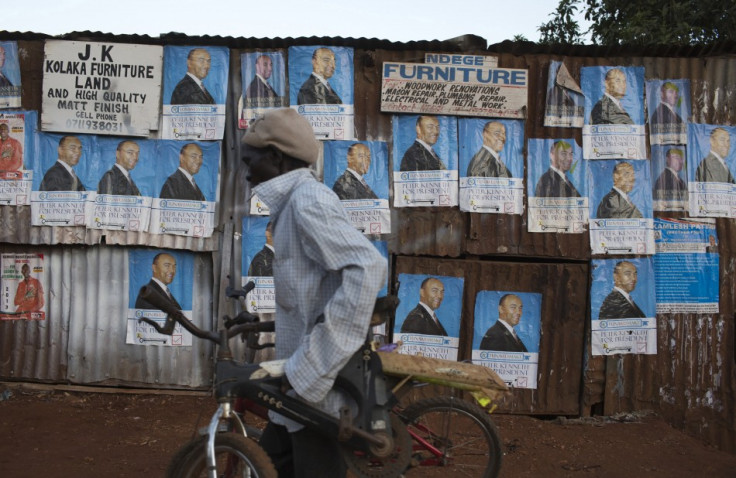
x,y
285,130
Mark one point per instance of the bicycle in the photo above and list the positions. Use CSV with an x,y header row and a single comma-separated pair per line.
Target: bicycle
x,y
467,440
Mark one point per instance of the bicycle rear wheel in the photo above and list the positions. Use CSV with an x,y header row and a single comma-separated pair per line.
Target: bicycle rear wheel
x,y
235,456
452,437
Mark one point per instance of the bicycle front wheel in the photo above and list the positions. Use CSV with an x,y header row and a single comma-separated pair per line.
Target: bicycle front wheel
x,y
235,457
451,437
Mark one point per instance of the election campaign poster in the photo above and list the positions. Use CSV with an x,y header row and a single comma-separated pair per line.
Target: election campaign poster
x,y
257,264
380,332
101,88
425,161
23,283
428,317
622,307
669,177
263,76
10,81
506,335
710,170
63,174
188,177
564,106
121,199
621,215
491,165
470,88
169,274
557,187
668,103
321,89
195,90
17,150
686,266
614,112
358,173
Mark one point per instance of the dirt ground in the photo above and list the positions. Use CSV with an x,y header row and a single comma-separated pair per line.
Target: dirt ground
x,y
78,434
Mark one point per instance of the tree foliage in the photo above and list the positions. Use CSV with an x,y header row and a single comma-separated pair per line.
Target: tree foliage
x,y
643,22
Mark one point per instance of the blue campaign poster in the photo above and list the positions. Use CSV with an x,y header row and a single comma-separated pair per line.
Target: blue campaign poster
x,y
668,101
487,305
604,86
142,269
640,289
254,239
270,66
543,154
405,135
338,73
447,307
601,174
182,62
143,174
336,163
170,154
382,247
83,163
474,134
703,141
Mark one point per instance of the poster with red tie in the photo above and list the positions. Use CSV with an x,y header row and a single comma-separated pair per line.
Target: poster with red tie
x,y
23,283
195,89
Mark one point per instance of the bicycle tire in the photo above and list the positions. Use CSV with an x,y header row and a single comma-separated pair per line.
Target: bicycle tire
x,y
236,456
462,431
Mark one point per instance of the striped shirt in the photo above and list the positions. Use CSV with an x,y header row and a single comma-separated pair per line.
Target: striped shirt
x,y
326,276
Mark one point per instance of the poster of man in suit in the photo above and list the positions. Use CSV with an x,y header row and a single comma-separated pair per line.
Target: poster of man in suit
x,y
491,165
614,112
321,89
17,154
669,107
169,273
622,307
669,177
358,173
23,287
428,316
620,207
10,81
65,167
187,178
258,256
506,334
125,176
557,186
195,88
711,168
263,79
425,164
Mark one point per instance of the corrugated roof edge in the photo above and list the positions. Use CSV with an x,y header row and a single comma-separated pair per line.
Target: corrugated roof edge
x,y
527,47
461,43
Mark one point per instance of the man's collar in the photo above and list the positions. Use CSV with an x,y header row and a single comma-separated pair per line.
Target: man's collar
x,y
622,292
427,308
426,146
186,173
161,284
123,170
558,171
355,173
495,154
508,326
275,191
66,166
196,80
321,79
261,78
625,196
